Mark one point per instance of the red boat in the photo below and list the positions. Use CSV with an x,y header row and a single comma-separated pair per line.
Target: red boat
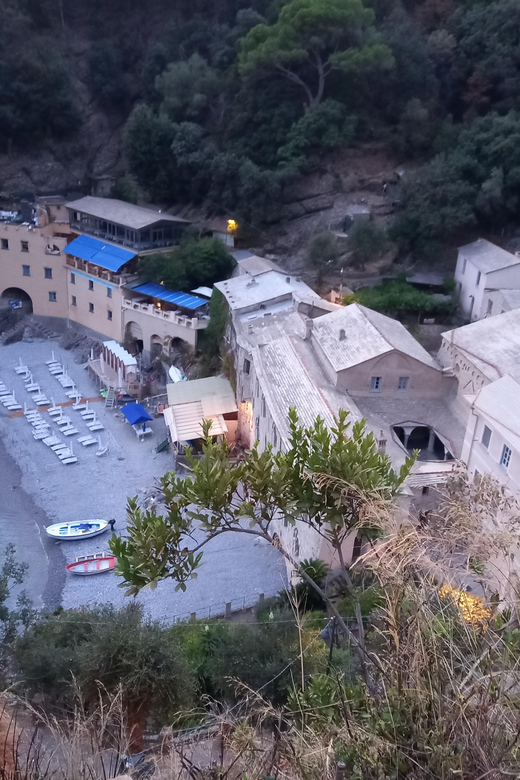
x,y
97,563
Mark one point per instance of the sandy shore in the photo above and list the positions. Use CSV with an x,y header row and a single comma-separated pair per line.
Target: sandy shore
x,y
38,490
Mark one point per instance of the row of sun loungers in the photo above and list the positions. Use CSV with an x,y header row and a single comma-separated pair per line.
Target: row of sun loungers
x,y
41,425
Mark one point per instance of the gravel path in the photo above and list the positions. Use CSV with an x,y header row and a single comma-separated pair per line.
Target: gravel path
x,y
38,490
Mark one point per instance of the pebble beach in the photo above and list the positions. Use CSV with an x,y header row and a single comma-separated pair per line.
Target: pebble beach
x,y
38,490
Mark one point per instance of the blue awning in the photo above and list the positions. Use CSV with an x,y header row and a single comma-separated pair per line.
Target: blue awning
x,y
161,293
98,252
135,414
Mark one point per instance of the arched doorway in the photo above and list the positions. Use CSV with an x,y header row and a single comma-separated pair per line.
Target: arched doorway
x,y
423,438
156,346
18,301
176,349
134,338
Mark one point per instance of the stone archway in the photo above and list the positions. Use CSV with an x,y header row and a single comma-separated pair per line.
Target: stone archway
x,y
156,346
18,301
416,436
134,337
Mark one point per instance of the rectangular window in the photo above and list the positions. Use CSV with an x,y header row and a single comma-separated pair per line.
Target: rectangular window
x,y
109,314
464,266
489,309
72,278
26,270
109,292
506,456
91,308
263,406
5,243
25,246
247,366
74,301
478,278
486,436
402,384
48,273
375,384
52,296
90,284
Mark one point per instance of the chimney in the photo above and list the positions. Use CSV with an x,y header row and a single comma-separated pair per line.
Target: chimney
x,y
342,335
309,324
288,279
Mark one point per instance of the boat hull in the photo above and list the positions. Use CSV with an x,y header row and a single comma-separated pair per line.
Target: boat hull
x,y
88,568
73,531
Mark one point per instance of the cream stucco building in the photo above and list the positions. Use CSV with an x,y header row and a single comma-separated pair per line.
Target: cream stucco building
x,y
80,266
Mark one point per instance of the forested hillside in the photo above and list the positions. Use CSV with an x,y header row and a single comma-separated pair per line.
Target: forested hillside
x,y
225,104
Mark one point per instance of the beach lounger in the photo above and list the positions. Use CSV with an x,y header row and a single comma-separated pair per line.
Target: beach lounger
x,y
58,446
33,388
52,360
89,417
57,370
68,461
64,420
40,424
69,431
21,369
95,426
14,408
55,411
71,393
39,435
79,407
51,441
86,441
42,402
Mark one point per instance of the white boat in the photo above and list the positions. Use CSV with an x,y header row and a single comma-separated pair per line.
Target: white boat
x,y
81,529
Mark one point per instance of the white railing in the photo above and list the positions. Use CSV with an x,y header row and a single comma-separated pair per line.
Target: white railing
x,y
170,316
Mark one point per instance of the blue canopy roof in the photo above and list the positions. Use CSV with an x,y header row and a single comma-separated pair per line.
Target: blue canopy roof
x,y
98,252
135,414
160,292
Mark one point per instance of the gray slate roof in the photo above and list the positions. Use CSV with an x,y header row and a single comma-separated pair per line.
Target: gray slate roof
x,y
122,213
492,344
488,257
368,334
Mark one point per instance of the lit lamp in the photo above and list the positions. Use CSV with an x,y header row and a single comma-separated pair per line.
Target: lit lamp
x,y
232,226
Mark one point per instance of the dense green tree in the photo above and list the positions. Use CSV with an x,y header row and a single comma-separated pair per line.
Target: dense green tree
x,y
195,262
189,89
219,497
367,241
477,180
311,38
325,128
398,298
148,140
322,252
101,651
486,71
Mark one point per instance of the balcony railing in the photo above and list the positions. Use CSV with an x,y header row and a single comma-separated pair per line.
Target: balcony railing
x,y
195,323
101,273
139,246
